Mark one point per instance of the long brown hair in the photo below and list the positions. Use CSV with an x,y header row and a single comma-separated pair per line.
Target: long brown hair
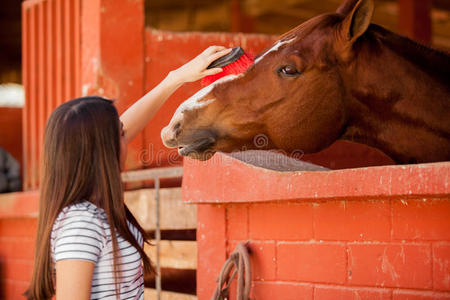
x,y
81,161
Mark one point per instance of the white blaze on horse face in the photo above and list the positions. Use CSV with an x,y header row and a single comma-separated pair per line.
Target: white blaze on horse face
x,y
275,48
194,102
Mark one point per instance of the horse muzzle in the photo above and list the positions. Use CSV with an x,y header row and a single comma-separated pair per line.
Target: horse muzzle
x,y
168,137
193,145
197,147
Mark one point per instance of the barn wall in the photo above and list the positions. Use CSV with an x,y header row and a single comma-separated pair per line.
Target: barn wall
x,y
369,233
18,223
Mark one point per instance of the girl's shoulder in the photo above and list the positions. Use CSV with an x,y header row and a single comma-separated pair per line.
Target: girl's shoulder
x,y
86,216
83,214
84,208
80,231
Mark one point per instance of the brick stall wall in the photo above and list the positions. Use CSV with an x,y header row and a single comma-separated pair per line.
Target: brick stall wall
x,y
18,224
393,246
16,255
362,249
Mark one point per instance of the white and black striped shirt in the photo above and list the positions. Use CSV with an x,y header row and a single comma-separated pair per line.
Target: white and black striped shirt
x,y
81,232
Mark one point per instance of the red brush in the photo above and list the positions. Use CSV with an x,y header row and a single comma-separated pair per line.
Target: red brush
x,y
236,62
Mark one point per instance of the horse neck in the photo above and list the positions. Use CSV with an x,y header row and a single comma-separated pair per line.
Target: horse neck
x,y
395,105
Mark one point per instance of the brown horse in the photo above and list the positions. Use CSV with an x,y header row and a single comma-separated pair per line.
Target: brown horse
x,y
333,77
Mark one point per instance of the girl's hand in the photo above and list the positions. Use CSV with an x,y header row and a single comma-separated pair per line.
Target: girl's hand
x,y
196,68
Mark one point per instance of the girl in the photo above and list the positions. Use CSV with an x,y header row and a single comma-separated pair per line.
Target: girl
x,y
89,245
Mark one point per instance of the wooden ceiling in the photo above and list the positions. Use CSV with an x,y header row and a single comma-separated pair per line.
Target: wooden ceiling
x,y
10,41
276,16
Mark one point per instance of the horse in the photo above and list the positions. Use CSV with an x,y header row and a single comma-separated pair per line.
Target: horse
x,y
336,76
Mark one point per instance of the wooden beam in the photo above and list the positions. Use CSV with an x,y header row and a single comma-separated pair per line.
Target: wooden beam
x,y
175,214
415,19
240,22
171,279
175,254
146,174
150,294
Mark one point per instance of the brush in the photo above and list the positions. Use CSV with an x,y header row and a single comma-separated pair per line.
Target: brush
x,y
236,62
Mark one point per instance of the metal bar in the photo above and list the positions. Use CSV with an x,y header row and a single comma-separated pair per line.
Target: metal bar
x,y
158,241
146,174
156,174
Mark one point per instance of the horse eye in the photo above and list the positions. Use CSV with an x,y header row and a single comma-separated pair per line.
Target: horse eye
x,y
289,71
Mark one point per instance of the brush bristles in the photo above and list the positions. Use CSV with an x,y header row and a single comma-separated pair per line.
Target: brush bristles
x,y
239,66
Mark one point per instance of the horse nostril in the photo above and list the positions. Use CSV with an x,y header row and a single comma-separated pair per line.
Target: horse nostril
x,y
177,130
168,137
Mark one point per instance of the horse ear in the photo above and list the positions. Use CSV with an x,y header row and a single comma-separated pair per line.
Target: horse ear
x,y
357,20
346,7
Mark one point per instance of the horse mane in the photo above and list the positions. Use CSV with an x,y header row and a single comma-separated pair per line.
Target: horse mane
x,y
434,62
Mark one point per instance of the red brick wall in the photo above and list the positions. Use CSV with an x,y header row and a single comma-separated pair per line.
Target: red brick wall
x,y
18,224
371,249
16,255
355,247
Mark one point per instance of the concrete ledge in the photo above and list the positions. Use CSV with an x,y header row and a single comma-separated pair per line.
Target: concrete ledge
x,y
224,179
19,205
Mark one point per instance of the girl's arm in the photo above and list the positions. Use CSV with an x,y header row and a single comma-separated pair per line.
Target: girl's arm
x,y
74,279
136,117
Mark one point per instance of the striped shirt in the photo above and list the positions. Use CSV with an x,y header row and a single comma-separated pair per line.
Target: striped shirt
x,y
81,232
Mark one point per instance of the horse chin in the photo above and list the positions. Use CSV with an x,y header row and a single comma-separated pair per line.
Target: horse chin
x,y
200,150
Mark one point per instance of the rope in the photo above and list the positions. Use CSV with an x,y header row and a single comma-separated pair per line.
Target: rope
x,y
238,259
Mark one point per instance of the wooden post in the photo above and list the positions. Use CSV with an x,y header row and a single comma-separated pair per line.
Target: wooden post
x,y
158,241
239,21
415,19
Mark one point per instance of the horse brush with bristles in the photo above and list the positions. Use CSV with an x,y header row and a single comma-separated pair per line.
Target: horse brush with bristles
x,y
236,62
